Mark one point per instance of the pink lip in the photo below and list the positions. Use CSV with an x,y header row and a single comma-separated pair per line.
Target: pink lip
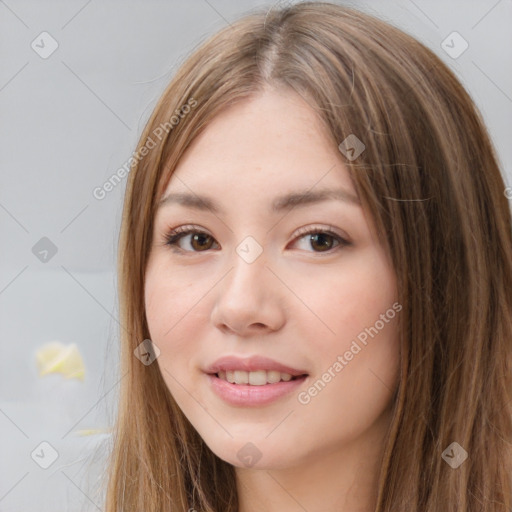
x,y
245,395
251,364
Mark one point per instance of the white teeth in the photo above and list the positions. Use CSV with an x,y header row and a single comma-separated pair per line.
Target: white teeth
x,y
241,377
273,376
257,378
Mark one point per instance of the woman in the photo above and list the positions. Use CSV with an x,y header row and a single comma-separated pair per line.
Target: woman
x,y
316,279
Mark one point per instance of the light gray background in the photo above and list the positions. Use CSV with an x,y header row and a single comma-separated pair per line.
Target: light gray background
x,y
68,122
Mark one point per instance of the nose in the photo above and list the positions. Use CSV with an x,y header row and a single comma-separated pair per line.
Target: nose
x,y
249,299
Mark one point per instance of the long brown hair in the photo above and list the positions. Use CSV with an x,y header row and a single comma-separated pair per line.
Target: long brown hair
x,y
430,180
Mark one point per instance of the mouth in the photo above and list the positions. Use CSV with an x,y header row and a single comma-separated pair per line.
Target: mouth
x,y
256,378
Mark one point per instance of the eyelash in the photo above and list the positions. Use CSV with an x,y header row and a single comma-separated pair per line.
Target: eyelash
x,y
172,238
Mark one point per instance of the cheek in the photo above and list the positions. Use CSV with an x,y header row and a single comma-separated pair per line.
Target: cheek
x,y
357,367
171,320
365,322
355,337
171,299
171,316
345,302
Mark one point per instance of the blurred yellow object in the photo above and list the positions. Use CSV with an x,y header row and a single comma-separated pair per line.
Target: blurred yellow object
x,y
93,431
55,357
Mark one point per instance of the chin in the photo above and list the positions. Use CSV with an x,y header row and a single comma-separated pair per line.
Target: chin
x,y
245,454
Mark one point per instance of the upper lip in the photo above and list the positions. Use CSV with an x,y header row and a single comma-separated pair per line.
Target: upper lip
x,y
251,364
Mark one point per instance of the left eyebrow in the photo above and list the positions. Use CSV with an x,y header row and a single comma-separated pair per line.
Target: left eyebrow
x,y
279,204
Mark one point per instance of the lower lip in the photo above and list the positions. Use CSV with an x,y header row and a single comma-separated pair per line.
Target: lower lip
x,y
247,395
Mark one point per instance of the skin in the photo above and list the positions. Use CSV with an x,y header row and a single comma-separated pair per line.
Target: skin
x,y
295,303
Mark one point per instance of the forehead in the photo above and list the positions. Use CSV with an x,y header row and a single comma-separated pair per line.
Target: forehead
x,y
269,143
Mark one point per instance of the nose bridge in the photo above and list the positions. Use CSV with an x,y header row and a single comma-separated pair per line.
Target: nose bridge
x,y
250,250
246,297
248,267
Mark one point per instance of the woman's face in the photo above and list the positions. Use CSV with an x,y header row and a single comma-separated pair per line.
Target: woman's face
x,y
301,282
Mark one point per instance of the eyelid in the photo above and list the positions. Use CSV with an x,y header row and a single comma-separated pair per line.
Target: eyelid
x,y
318,228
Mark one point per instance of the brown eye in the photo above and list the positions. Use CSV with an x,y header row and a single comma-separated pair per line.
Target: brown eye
x,y
322,241
201,241
319,240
